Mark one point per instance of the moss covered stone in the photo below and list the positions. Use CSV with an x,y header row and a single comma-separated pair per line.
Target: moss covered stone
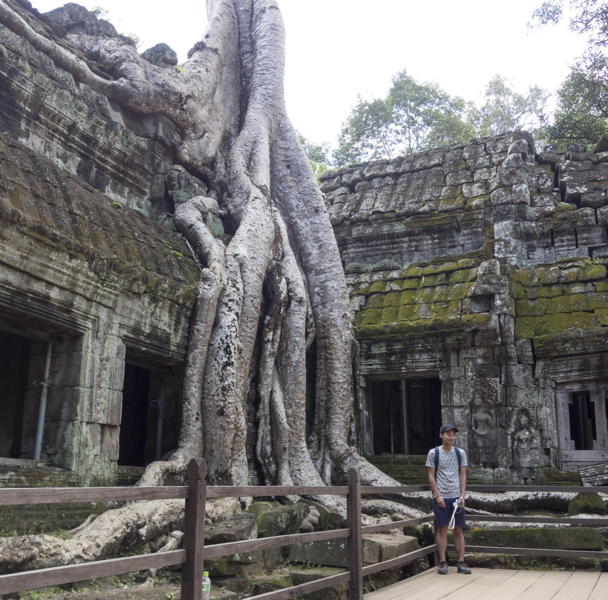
x,y
563,538
587,502
591,272
529,327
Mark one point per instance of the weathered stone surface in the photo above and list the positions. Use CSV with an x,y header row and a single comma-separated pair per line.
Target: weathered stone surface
x,y
564,538
332,553
378,547
242,526
587,503
275,519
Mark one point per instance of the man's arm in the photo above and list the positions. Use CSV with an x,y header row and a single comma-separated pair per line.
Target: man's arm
x,y
463,484
433,483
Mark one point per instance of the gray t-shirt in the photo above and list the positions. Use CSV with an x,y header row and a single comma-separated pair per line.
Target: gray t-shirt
x,y
447,474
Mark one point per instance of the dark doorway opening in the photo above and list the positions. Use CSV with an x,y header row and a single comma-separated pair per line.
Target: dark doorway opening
x,y
583,427
15,359
423,401
406,415
151,405
133,424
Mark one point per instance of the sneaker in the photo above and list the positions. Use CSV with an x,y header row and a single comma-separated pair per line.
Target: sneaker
x,y
463,568
443,568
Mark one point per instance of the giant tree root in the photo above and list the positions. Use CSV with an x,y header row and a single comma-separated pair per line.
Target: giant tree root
x,y
265,298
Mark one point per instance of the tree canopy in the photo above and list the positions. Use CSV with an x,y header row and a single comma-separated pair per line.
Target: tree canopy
x,y
416,116
582,112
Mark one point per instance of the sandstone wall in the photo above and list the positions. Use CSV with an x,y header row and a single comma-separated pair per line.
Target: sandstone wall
x,y
88,255
482,264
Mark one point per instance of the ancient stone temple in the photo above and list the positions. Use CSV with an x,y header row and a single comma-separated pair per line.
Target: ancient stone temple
x,y
478,279
477,274
95,288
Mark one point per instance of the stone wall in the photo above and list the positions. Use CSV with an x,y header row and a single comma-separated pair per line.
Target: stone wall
x,y
89,259
483,265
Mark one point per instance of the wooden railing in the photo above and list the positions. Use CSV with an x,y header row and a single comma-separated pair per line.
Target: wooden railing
x,y
532,520
195,494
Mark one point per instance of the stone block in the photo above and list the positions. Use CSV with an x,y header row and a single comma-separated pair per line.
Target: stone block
x,y
300,576
587,503
242,526
594,235
275,519
378,547
330,553
563,538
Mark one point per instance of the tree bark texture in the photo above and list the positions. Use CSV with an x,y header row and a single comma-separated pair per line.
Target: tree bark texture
x,y
272,293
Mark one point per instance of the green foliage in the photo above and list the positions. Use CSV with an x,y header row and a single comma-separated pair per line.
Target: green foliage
x,y
506,110
318,155
418,116
413,117
582,114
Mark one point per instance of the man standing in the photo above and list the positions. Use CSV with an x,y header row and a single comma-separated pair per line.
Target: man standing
x,y
447,472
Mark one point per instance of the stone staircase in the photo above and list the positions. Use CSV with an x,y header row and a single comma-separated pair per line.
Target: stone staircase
x,y
39,518
406,469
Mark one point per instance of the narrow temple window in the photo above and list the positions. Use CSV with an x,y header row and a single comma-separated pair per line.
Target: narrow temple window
x,y
15,358
583,427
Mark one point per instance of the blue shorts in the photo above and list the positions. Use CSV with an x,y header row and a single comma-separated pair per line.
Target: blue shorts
x,y
443,515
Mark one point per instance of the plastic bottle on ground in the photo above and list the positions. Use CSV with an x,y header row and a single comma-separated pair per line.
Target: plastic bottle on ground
x,y
206,586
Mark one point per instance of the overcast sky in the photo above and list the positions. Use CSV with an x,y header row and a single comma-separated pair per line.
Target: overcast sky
x,y
339,49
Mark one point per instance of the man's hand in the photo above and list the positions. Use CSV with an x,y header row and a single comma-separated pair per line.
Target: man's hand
x,y
440,501
461,500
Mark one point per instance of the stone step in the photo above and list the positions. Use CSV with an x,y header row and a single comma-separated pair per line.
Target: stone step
x,y
40,518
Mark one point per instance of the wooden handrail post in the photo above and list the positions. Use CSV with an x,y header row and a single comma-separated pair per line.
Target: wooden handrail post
x,y
353,515
194,522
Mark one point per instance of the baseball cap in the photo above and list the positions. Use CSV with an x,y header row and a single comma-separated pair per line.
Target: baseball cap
x,y
447,427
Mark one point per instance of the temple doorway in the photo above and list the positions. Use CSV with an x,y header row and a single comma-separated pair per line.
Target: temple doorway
x,y
15,361
406,415
151,400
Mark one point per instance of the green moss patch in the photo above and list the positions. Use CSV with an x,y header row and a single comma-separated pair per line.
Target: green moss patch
x,y
590,503
563,538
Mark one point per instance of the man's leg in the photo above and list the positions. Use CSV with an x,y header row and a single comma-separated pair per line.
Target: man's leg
x,y
442,542
458,542
462,566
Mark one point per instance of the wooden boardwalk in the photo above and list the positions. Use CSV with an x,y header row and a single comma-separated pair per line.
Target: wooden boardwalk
x,y
498,584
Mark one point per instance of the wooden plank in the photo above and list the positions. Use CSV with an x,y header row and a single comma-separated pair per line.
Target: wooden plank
x,y
580,586
298,591
575,489
561,520
18,496
402,489
257,491
442,586
489,581
355,550
400,590
399,560
546,586
513,586
600,591
32,580
194,523
438,586
537,551
401,524
218,550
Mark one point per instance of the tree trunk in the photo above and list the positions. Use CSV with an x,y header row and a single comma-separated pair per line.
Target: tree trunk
x,y
280,274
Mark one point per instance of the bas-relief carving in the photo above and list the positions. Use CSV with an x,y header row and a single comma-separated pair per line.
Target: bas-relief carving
x,y
483,438
526,444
